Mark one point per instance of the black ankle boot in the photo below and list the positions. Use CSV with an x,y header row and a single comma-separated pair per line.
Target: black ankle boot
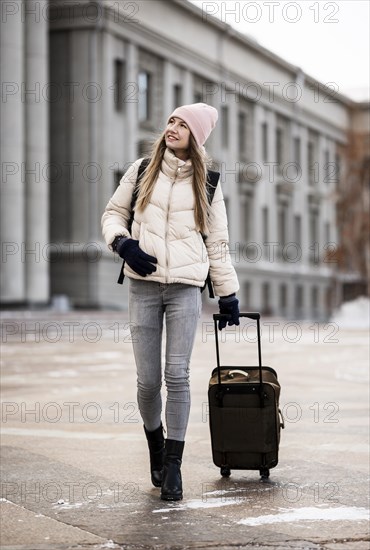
x,y
171,481
156,453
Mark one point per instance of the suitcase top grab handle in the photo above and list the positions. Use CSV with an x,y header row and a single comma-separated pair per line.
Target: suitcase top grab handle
x,y
218,316
250,315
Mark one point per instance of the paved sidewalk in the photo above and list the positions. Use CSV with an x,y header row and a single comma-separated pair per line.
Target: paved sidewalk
x,y
74,458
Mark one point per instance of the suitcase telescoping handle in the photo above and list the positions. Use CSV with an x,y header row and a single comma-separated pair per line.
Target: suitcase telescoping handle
x,y
250,315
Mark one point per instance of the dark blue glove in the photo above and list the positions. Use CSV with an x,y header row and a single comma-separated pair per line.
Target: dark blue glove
x,y
229,305
136,258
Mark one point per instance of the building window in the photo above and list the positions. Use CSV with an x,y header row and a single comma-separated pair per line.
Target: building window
x,y
337,169
298,301
314,236
329,300
293,251
283,298
198,97
266,298
247,213
119,83
242,135
326,170
282,229
177,95
225,126
117,175
144,83
144,148
311,162
298,231
315,300
265,151
279,148
297,152
265,230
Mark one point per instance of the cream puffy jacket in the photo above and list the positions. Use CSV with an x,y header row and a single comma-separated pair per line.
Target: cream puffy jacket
x,y
166,229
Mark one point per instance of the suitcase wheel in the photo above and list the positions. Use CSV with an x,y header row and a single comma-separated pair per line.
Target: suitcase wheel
x,y
225,471
264,473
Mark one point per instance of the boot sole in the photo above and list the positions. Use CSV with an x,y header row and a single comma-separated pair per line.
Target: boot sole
x,y
171,497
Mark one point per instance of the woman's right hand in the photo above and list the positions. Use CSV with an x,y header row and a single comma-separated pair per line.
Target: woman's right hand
x,y
137,259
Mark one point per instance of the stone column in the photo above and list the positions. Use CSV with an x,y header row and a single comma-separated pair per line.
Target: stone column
x,y
94,156
230,176
12,154
132,107
304,202
270,183
256,157
167,100
36,154
188,92
323,190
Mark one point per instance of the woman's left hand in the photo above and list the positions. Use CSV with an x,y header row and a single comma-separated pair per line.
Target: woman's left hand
x,y
229,305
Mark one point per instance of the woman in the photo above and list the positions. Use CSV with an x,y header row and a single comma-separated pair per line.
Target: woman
x,y
176,238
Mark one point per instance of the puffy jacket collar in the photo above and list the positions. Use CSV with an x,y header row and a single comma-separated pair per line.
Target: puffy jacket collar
x,y
174,167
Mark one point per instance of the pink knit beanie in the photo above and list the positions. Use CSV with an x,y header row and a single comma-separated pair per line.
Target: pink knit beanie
x,y
201,119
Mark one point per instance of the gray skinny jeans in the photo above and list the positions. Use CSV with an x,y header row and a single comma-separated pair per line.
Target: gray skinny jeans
x,y
180,304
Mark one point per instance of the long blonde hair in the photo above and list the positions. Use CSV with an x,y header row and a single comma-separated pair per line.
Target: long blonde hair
x,y
199,160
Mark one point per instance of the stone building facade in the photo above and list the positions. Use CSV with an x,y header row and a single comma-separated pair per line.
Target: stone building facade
x,y
110,73
24,114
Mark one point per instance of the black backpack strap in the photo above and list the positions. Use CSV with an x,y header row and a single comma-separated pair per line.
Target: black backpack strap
x,y
212,181
143,165
121,274
209,285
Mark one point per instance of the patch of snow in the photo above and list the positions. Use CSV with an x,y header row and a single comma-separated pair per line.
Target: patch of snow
x,y
342,513
234,491
69,373
354,314
359,374
109,544
67,505
198,504
345,448
35,432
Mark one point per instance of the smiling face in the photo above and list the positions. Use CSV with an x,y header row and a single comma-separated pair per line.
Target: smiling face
x,y
177,136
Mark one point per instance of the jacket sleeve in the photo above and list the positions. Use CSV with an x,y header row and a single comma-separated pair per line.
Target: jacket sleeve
x,y
117,213
222,272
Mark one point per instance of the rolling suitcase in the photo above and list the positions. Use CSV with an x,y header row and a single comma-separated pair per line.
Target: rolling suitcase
x,y
244,415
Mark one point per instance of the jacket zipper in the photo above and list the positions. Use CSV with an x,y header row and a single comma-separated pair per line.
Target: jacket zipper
x,y
168,217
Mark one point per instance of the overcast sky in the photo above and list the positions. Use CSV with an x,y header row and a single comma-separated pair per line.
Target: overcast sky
x,y
328,40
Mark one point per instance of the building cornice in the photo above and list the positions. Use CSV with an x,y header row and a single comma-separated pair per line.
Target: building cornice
x,y
221,27
261,50
148,39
